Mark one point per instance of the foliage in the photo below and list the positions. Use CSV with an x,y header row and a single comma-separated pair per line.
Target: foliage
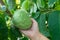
x,y
45,12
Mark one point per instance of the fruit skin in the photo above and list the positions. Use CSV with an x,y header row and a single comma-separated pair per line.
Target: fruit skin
x,y
21,19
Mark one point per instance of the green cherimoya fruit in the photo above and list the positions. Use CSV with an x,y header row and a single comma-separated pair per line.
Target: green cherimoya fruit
x,y
21,19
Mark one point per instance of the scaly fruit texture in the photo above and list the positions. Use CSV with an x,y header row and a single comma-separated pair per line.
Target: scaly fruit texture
x,y
21,19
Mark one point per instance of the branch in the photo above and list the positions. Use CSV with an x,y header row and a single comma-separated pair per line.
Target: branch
x,y
9,13
1,2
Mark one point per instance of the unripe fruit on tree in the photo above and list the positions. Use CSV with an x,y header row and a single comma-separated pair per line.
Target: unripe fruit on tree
x,y
21,19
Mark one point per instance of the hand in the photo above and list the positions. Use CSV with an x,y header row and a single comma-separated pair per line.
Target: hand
x,y
33,33
33,30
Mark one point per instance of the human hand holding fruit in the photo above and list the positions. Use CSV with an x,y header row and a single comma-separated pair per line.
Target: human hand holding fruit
x,y
33,30
27,25
33,33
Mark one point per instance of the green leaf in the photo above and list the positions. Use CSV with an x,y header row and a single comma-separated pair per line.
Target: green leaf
x,y
34,1
40,4
33,8
35,15
22,1
54,25
3,28
4,1
57,7
51,3
11,4
14,33
42,26
25,38
26,5
3,33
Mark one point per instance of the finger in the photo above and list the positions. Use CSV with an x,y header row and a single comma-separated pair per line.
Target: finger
x,y
35,24
27,33
34,21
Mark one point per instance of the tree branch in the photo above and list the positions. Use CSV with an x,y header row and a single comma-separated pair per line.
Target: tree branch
x,y
1,2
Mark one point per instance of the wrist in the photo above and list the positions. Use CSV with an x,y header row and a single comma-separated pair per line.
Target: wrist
x,y
36,36
39,36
